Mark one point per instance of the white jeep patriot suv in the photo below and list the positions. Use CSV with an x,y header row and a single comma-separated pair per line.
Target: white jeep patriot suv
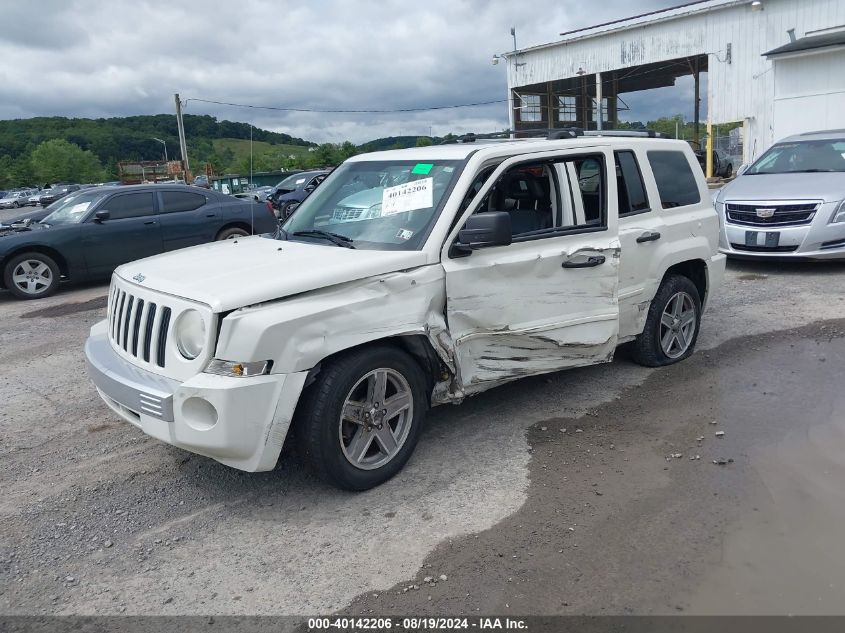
x,y
408,279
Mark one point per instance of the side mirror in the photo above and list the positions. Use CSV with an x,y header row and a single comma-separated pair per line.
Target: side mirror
x,y
491,228
99,216
742,169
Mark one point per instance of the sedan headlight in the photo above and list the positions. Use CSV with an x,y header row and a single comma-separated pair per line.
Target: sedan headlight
x,y
190,334
839,214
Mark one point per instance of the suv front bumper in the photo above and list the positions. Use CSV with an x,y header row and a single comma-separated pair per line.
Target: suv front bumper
x,y
239,422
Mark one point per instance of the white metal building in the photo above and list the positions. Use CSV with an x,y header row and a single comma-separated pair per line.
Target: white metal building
x,y
777,66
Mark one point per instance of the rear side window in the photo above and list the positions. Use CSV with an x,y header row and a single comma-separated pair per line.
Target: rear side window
x,y
675,181
176,201
629,185
130,205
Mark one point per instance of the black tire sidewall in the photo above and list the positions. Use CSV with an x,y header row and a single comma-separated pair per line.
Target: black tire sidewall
x,y
648,350
324,402
10,267
285,210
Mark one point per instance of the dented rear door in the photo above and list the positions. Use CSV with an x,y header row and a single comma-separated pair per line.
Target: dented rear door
x,y
540,304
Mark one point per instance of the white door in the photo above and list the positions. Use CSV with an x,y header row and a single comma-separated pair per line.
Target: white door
x,y
549,300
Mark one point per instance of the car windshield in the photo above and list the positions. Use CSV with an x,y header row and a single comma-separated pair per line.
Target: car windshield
x,y
801,157
375,204
292,182
73,208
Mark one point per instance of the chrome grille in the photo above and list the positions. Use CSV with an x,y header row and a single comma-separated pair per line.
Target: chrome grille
x,y
771,214
139,327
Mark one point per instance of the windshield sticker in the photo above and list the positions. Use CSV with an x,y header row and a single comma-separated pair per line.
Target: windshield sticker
x,y
300,181
418,194
404,234
80,207
422,168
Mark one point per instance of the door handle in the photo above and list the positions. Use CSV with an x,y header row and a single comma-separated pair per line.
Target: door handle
x,y
210,215
584,262
648,236
150,222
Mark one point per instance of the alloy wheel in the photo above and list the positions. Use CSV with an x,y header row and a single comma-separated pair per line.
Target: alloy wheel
x,y
677,325
32,276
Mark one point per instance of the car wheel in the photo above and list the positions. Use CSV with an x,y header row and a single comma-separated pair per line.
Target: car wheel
x,y
31,276
232,233
671,328
729,170
16,204
359,422
287,209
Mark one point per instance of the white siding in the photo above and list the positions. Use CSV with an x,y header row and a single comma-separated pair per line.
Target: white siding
x,y
809,93
740,91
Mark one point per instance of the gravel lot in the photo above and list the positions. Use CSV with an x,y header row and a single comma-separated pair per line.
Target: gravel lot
x,y
96,518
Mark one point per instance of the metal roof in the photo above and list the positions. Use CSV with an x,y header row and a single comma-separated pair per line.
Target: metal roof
x,y
837,38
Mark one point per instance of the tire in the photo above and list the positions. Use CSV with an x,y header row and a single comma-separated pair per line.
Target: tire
x,y
343,452
287,209
729,170
31,276
650,348
233,232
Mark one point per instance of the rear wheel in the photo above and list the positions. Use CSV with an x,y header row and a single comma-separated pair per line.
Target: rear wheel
x,y
31,276
360,421
671,328
232,233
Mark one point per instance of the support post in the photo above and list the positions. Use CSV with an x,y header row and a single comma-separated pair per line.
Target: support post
x,y
598,102
182,145
709,157
697,115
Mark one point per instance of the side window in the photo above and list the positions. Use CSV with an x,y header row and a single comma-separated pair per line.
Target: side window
x,y
130,205
675,181
629,185
546,198
176,201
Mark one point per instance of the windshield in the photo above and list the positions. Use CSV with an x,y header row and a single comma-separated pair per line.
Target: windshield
x,y
292,182
376,204
801,157
73,208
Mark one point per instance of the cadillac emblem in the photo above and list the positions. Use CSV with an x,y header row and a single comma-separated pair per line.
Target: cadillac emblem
x,y
765,212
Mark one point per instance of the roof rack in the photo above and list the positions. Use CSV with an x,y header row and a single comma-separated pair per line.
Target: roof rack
x,y
552,134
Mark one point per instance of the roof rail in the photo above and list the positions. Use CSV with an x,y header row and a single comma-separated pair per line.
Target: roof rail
x,y
641,133
551,134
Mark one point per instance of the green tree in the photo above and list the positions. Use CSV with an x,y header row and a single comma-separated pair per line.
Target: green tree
x,y
57,160
424,141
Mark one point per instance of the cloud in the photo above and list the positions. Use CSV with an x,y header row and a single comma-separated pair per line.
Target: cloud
x,y
114,58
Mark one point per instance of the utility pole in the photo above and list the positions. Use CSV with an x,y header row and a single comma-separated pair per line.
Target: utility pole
x,y
182,145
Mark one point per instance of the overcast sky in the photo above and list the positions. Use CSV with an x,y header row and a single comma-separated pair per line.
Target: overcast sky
x,y
105,58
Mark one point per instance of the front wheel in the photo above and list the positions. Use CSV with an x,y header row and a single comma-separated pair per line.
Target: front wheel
x,y
672,325
359,422
32,276
287,208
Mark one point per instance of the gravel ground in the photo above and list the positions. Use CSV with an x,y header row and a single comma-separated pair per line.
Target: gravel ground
x,y
99,519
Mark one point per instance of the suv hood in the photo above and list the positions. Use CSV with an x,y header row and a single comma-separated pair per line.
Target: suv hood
x,y
235,273
828,186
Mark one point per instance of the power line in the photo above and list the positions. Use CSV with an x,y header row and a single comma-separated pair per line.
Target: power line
x,y
321,111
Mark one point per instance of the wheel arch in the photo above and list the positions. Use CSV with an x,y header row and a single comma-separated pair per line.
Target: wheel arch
x,y
696,271
234,224
50,252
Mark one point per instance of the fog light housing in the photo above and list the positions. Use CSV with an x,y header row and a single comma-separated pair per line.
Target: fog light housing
x,y
239,369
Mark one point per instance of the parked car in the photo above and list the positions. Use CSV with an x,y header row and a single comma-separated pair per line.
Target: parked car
x,y
475,265
88,234
258,193
291,191
35,198
722,164
202,181
789,203
14,199
57,192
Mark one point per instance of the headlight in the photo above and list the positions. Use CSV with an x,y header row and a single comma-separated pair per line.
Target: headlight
x,y
839,214
373,212
239,370
190,334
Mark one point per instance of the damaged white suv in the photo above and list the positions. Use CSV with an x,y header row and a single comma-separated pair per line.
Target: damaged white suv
x,y
410,278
